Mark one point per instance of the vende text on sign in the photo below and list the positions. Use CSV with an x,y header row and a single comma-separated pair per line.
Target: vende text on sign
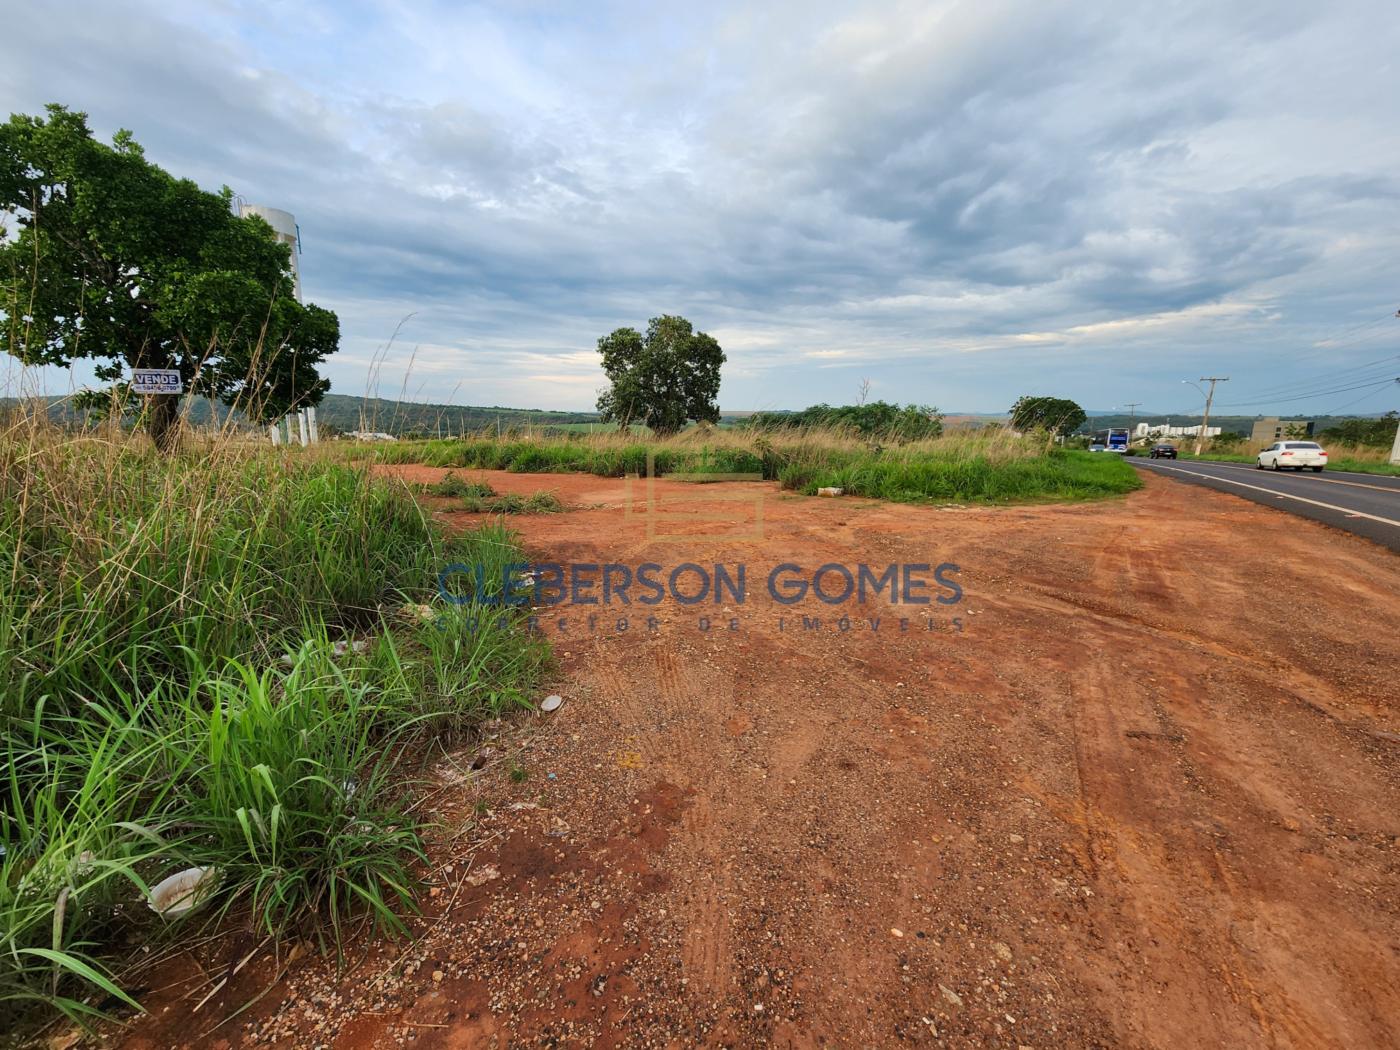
x,y
156,381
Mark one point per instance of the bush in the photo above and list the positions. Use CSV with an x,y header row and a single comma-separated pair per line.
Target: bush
x,y
535,503
1364,433
455,487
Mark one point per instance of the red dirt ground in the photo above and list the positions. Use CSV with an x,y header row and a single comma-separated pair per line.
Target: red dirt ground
x,y
1146,796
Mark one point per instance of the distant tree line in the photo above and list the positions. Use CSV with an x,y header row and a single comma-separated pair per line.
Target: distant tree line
x,y
872,419
1371,433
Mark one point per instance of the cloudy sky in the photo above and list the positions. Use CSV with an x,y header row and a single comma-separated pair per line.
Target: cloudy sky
x,y
962,202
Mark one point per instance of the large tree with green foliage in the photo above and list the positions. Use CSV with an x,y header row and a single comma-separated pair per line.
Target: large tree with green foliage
x,y
1055,414
663,379
105,256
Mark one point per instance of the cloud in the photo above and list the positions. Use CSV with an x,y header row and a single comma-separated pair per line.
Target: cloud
x,y
1098,199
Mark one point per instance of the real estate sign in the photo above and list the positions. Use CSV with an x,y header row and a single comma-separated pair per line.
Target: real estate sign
x,y
156,381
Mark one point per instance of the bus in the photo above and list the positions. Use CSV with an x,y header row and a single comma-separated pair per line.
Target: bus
x,y
1114,439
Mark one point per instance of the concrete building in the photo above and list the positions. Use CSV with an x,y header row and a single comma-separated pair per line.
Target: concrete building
x,y
1267,431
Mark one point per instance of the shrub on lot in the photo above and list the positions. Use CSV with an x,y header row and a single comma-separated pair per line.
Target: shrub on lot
x,y
456,487
535,503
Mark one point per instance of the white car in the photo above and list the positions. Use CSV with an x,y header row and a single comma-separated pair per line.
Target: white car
x,y
1296,454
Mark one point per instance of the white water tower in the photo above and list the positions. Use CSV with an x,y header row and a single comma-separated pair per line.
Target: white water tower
x,y
285,227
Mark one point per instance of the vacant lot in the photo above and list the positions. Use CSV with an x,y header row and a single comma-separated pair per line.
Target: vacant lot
x,y
1146,796
992,465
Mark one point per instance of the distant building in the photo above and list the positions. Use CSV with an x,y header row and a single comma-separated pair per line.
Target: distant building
x,y
1145,430
1267,431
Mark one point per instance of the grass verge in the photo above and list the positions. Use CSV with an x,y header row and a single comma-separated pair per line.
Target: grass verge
x,y
1340,459
172,695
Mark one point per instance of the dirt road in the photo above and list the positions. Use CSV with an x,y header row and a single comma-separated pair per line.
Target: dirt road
x,y
1146,796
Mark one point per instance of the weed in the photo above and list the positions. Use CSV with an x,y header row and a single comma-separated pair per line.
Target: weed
x,y
456,488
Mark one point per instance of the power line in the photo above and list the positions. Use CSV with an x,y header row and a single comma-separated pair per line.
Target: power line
x,y
1299,384
1336,343
1379,387
1366,324
1313,393
1342,341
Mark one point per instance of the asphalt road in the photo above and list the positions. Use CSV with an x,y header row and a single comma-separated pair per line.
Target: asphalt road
x,y
1366,504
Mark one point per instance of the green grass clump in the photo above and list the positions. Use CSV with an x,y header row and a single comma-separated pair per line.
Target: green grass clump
x,y
455,487
510,503
172,695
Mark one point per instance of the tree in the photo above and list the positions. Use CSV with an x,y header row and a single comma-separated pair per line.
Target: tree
x,y
1374,433
116,260
662,379
1055,414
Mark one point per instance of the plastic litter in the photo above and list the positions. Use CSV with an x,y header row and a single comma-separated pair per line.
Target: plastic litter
x,y
830,490
182,892
552,703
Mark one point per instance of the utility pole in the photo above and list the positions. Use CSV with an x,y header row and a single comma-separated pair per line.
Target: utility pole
x,y
1132,417
1395,448
1205,419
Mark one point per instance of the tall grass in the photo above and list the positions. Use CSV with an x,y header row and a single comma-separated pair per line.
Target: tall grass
x,y
172,694
991,465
